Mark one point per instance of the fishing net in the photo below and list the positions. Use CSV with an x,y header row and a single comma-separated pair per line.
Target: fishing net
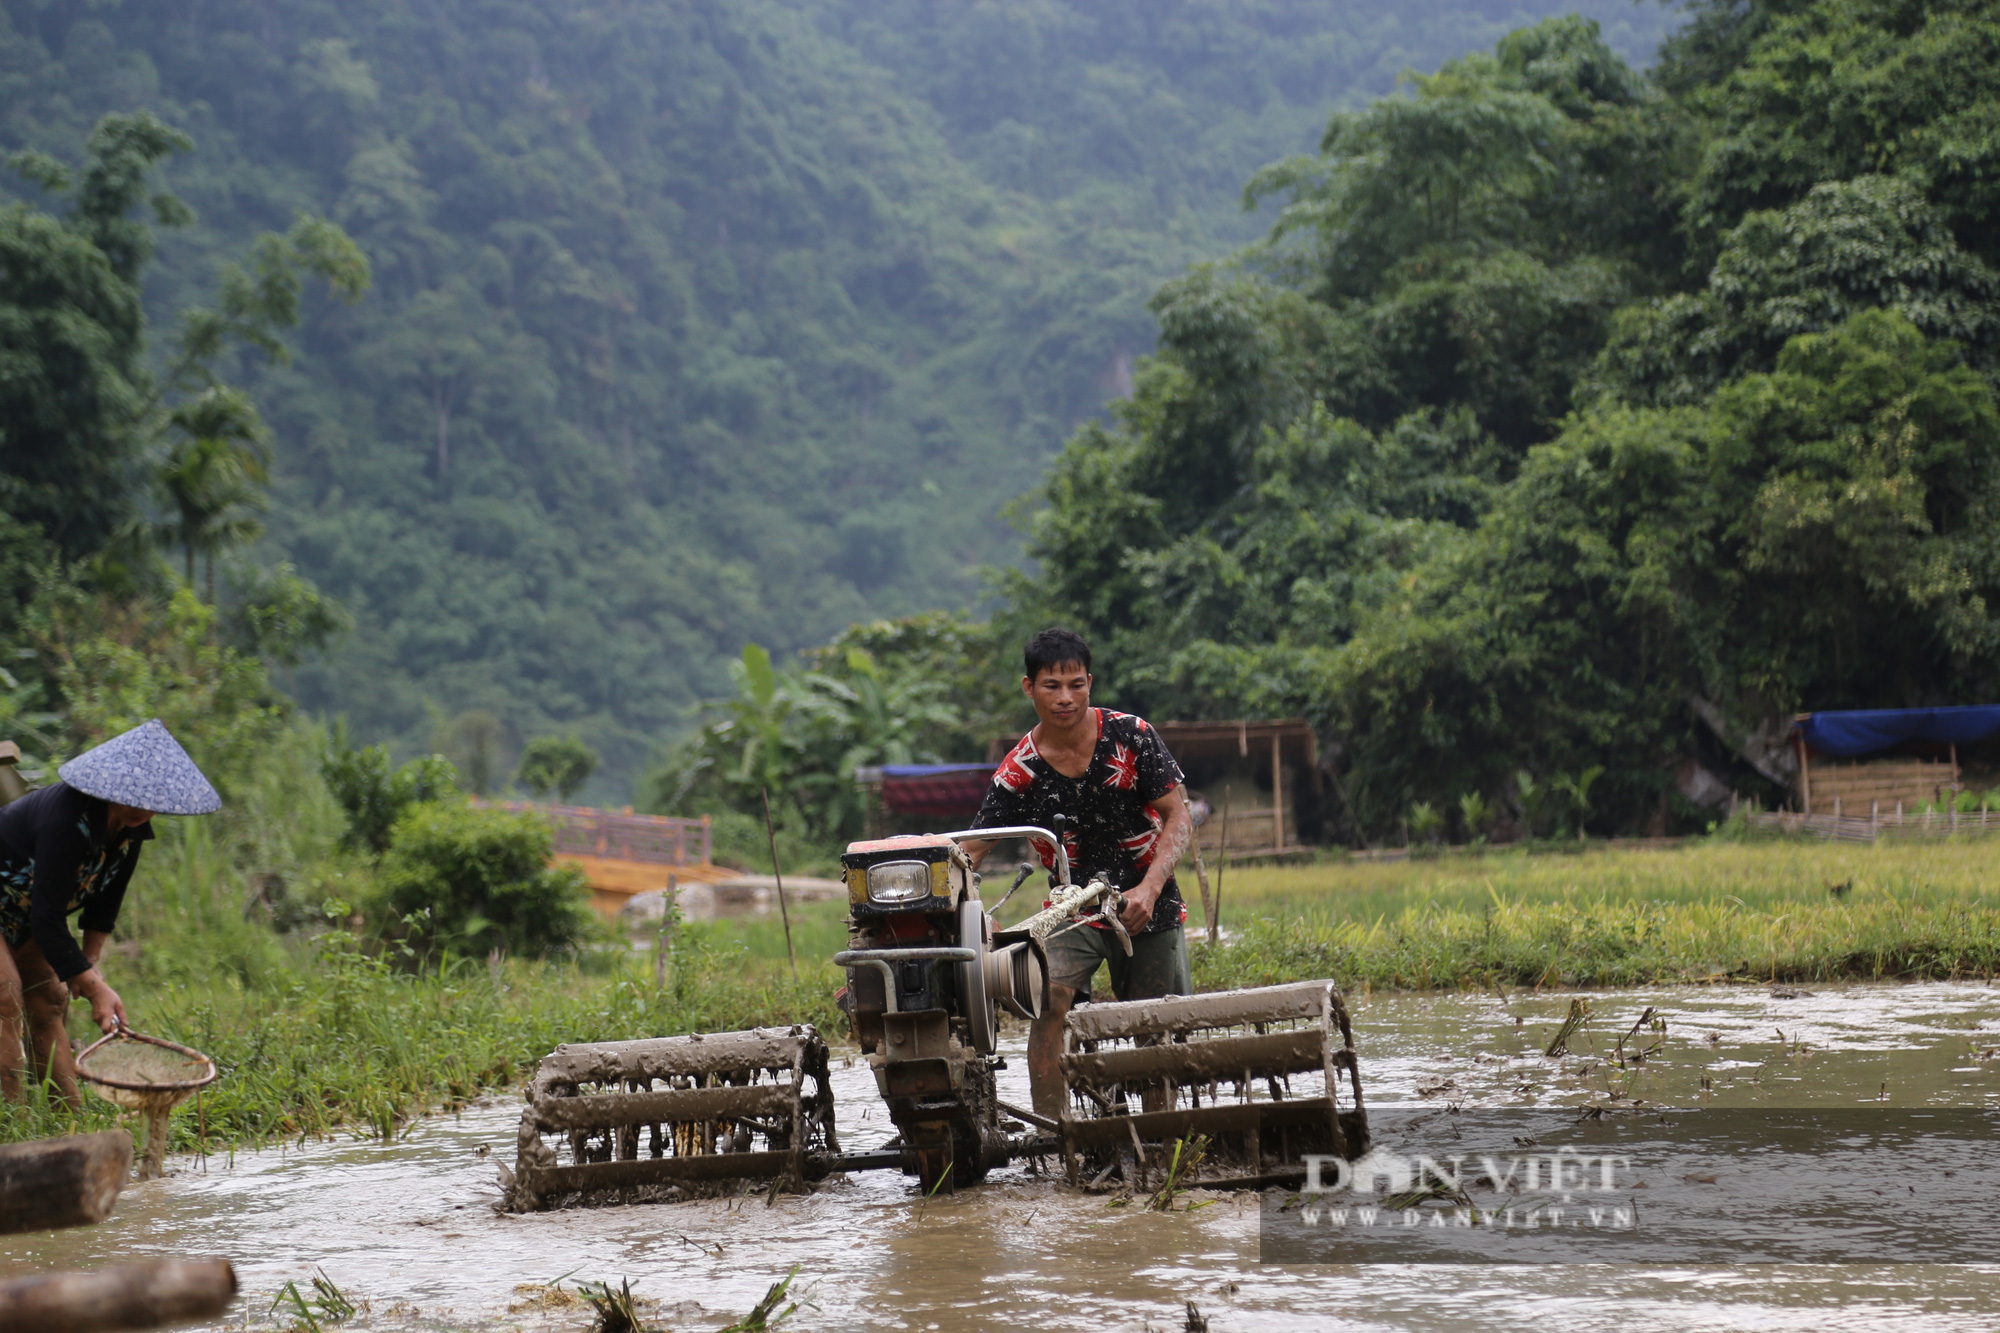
x,y
146,1074
132,1072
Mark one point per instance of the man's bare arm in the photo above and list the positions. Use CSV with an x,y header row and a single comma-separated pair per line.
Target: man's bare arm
x,y
1175,835
1177,826
977,851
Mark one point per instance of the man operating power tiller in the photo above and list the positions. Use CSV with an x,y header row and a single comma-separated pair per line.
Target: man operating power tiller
x,y
1125,817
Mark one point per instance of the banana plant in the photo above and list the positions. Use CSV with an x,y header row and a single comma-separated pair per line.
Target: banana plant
x,y
1531,796
1472,809
1576,790
864,719
758,714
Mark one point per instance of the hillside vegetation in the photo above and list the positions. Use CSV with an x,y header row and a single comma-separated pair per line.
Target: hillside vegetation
x,y
691,322
1575,426
1573,423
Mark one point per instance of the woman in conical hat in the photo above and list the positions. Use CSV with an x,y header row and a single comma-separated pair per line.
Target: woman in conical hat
x,y
70,848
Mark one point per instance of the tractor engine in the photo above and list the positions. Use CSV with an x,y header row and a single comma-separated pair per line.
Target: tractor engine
x,y
677,1117
927,976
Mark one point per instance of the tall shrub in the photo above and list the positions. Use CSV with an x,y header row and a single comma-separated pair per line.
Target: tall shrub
x,y
469,879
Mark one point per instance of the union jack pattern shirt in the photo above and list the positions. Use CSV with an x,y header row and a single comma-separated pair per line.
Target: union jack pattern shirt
x,y
1112,824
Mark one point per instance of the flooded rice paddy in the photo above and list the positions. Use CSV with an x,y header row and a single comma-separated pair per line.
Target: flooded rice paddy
x,y
409,1227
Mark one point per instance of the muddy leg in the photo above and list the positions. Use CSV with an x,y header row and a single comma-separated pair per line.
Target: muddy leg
x,y
1044,1046
11,1054
157,1129
1158,967
47,1003
1157,1095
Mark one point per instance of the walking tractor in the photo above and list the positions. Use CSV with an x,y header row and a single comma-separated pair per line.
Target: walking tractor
x,y
1259,1077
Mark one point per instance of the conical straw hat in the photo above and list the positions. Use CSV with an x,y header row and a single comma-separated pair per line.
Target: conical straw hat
x,y
145,768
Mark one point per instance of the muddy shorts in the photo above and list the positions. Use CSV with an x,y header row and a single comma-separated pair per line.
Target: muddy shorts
x,y
1158,965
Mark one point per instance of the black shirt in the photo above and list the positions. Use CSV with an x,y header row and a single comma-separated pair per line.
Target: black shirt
x,y
60,830
1113,827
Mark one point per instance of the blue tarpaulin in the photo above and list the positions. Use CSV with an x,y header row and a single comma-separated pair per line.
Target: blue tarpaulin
x,y
1868,730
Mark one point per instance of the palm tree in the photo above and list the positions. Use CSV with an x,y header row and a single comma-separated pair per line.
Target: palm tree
x,y
214,477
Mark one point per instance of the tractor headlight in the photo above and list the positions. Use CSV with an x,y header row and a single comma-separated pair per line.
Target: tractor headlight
x,y
899,881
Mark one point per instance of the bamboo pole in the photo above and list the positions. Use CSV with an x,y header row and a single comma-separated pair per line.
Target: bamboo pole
x,y
1805,772
1201,875
771,832
1222,864
71,1181
1277,792
111,1300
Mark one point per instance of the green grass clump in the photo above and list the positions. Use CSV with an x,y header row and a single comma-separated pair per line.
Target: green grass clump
x,y
1705,911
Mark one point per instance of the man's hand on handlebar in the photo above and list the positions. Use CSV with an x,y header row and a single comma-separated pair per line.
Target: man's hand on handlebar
x,y
1139,902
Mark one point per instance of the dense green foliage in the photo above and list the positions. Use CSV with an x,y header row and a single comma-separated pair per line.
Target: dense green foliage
x,y
555,766
1576,426
83,403
374,792
472,879
692,322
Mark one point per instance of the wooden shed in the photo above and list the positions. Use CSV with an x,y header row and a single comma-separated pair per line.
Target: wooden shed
x,y
1877,761
1213,753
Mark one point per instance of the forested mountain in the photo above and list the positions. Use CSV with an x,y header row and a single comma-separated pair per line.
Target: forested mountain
x,y
696,322
1576,425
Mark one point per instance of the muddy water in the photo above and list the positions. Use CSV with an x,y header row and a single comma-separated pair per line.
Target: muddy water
x,y
408,1227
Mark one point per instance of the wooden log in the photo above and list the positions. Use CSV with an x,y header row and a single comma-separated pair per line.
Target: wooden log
x,y
67,1182
110,1300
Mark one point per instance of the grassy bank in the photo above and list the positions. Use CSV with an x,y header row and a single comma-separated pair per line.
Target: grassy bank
x,y
1705,911
336,1041
234,941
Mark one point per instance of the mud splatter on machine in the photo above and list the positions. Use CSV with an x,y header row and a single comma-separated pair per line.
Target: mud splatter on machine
x,y
1267,1075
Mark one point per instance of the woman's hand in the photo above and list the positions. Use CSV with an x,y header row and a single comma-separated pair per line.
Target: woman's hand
x,y
106,1009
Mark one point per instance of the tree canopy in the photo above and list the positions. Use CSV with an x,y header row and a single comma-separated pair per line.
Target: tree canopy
x,y
692,323
117,449
1575,422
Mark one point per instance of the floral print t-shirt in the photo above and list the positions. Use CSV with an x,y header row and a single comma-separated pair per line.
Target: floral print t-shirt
x,y
1112,825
